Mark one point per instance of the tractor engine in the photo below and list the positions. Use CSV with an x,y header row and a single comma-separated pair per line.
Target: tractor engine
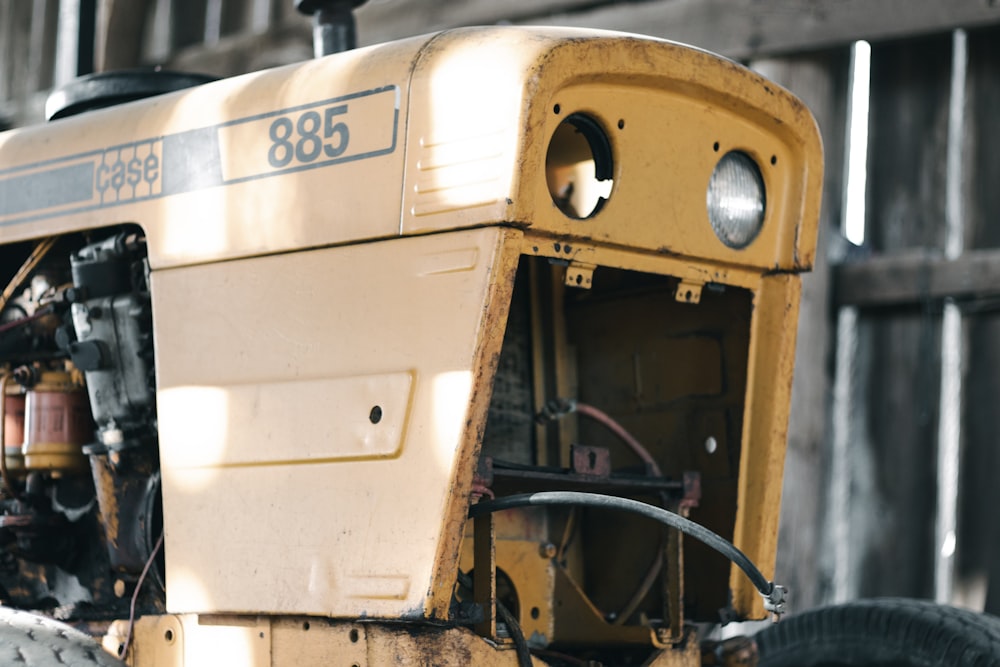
x,y
81,508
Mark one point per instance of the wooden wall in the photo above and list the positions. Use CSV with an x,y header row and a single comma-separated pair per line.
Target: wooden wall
x,y
932,232
860,517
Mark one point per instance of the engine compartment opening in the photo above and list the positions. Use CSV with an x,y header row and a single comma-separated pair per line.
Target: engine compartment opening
x,y
81,507
616,389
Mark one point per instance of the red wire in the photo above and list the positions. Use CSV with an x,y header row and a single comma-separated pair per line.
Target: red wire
x,y
619,430
39,314
654,471
135,596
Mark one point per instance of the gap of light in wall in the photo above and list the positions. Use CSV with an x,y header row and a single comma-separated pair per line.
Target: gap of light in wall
x,y
856,175
950,410
848,458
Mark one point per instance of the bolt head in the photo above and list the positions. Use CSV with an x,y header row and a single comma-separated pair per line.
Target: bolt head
x,y
547,550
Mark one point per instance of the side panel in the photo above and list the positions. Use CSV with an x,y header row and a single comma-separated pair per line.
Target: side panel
x,y
315,420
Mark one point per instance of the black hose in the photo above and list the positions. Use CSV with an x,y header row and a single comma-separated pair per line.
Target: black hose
x,y
686,526
514,628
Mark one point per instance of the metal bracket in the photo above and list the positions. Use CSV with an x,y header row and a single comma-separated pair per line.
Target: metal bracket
x,y
689,292
579,274
594,461
776,601
484,574
673,584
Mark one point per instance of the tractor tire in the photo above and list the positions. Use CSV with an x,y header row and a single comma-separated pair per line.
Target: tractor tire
x,y
30,640
883,633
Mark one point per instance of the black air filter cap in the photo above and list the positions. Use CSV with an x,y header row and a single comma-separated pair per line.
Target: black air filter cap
x,y
107,89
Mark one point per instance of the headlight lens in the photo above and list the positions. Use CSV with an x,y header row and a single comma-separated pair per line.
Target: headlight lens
x,y
736,200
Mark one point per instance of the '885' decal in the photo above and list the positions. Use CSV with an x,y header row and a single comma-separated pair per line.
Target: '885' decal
x,y
314,134
343,129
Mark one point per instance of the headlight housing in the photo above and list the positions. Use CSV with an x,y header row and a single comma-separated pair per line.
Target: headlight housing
x,y
736,200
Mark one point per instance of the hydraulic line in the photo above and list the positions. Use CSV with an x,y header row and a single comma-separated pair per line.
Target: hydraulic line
x,y
774,595
514,628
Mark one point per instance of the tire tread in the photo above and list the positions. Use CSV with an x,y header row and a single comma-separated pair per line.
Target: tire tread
x,y
37,641
890,631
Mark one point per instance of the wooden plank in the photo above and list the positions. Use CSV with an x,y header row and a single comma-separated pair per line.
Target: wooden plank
x,y
120,25
187,23
262,14
156,47
213,22
979,534
6,9
820,80
895,409
74,40
917,278
246,53
236,16
381,21
19,43
44,24
737,28
909,117
283,13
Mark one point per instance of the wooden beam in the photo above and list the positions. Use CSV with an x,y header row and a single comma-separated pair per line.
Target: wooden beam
x,y
6,51
15,49
736,28
384,21
248,52
75,40
748,28
978,533
41,63
916,278
187,23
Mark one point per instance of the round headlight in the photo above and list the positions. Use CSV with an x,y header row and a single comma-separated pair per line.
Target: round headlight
x,y
736,200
